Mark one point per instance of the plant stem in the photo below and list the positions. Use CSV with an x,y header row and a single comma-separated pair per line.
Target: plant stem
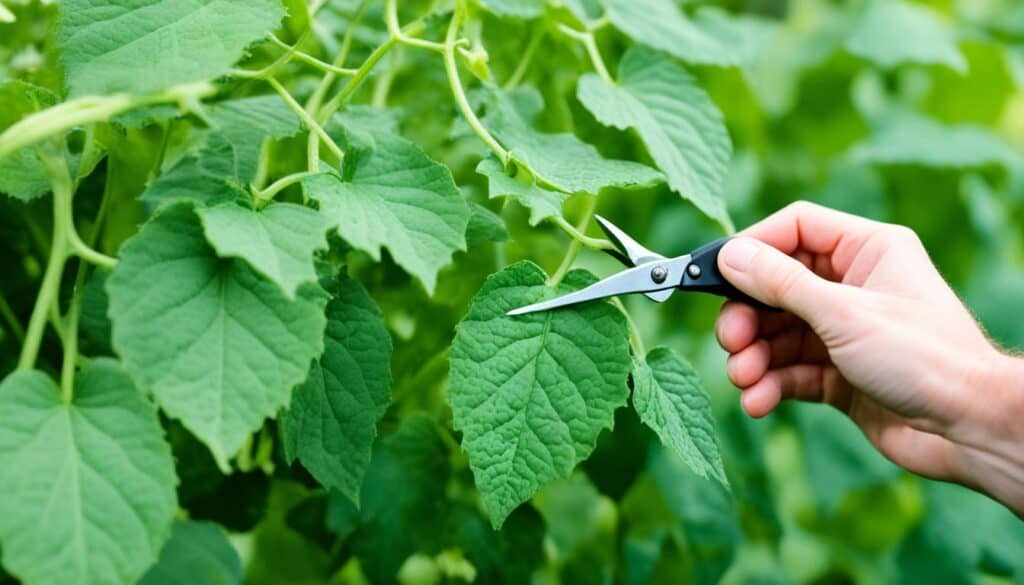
x,y
635,340
357,78
88,152
574,246
85,110
87,253
61,182
56,321
303,115
452,69
279,185
263,165
310,59
323,65
69,337
316,99
281,60
587,38
527,58
382,87
576,234
391,17
12,320
567,260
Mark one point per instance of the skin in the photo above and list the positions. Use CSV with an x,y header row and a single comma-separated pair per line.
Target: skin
x,y
871,328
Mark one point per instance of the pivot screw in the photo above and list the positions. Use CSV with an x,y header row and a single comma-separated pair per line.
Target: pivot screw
x,y
693,270
659,274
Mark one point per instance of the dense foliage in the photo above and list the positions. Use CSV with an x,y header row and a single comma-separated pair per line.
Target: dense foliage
x,y
257,257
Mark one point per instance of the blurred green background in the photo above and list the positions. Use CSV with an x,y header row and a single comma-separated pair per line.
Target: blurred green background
x,y
813,115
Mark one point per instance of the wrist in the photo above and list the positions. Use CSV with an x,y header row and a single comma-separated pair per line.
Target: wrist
x,y
992,458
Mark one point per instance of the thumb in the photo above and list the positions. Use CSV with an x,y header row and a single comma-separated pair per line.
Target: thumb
x,y
777,279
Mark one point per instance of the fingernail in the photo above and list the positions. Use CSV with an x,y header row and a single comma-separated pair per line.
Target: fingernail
x,y
739,253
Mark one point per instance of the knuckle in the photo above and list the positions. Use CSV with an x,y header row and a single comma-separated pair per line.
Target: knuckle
x,y
800,207
904,235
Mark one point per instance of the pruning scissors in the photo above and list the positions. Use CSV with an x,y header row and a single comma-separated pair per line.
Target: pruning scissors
x,y
651,274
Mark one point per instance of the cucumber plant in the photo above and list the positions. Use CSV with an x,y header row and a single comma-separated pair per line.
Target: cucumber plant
x,y
263,253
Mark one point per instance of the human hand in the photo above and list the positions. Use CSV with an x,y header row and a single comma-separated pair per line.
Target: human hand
x,y
872,328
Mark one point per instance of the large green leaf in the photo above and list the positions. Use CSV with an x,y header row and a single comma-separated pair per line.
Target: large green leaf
x,y
277,241
669,398
221,169
220,347
663,25
198,553
542,203
531,393
892,32
682,128
87,489
331,423
143,46
559,161
397,198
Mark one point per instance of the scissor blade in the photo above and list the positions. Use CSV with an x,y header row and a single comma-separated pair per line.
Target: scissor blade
x,y
632,249
633,280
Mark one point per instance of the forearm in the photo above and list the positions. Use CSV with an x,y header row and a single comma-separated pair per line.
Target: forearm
x,y
992,460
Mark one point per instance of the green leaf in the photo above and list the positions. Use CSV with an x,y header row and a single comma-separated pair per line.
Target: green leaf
x,y
682,128
198,553
669,398
663,25
225,164
87,493
514,8
220,347
484,226
241,125
403,498
560,161
910,138
277,241
890,33
542,203
531,393
143,46
397,198
331,423
21,173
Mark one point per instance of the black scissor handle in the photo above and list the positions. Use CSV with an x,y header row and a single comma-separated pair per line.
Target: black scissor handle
x,y
702,275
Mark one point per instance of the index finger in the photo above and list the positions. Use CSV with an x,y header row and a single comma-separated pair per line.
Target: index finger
x,y
804,226
811,227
